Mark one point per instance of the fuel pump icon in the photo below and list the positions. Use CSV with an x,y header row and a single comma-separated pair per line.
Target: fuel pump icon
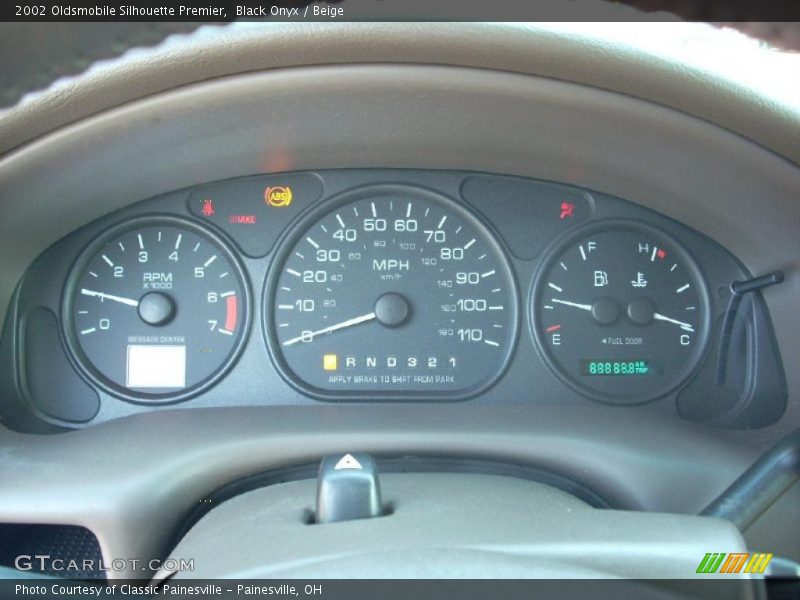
x,y
600,278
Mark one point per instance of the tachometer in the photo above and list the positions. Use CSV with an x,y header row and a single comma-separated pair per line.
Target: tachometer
x,y
620,311
392,291
156,309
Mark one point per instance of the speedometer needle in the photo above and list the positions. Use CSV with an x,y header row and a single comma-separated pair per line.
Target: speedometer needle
x,y
103,296
573,304
349,323
684,326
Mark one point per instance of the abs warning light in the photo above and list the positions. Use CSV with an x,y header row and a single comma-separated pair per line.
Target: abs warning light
x,y
278,196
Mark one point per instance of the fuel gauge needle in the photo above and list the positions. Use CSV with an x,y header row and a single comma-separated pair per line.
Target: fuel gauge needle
x,y
684,326
572,304
104,296
349,323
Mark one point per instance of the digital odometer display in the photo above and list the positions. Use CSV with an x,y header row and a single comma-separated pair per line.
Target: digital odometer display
x,y
614,367
392,291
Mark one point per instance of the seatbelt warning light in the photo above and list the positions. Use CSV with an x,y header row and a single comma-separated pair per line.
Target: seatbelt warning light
x,y
208,208
330,362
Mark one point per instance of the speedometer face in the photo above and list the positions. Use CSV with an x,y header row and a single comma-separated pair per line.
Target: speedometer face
x,y
393,292
156,309
620,312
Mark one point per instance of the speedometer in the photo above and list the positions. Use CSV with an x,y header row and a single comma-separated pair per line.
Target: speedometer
x,y
391,291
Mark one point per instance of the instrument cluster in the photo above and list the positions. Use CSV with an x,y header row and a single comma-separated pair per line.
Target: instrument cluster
x,y
376,285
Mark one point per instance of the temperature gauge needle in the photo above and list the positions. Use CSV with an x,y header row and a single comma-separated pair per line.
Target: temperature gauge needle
x,y
103,296
349,323
684,326
573,304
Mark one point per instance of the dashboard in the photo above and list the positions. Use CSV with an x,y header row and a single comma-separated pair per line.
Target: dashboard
x,y
378,285
614,217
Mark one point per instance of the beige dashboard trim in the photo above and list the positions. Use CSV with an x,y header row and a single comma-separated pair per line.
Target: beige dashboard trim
x,y
133,481
585,56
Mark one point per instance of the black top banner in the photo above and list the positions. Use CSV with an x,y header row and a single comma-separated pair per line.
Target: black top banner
x,y
400,10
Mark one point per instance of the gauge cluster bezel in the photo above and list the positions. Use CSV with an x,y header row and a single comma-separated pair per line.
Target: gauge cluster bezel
x,y
69,331
254,378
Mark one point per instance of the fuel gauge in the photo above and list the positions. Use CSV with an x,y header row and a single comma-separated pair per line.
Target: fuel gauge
x,y
620,312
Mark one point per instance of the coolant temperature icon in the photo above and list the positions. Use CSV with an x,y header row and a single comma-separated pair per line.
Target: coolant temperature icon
x,y
640,281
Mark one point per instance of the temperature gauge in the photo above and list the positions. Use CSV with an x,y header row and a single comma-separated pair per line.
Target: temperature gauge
x,y
620,312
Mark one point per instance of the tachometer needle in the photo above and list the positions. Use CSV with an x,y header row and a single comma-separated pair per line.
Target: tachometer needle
x,y
349,323
684,326
120,299
573,304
